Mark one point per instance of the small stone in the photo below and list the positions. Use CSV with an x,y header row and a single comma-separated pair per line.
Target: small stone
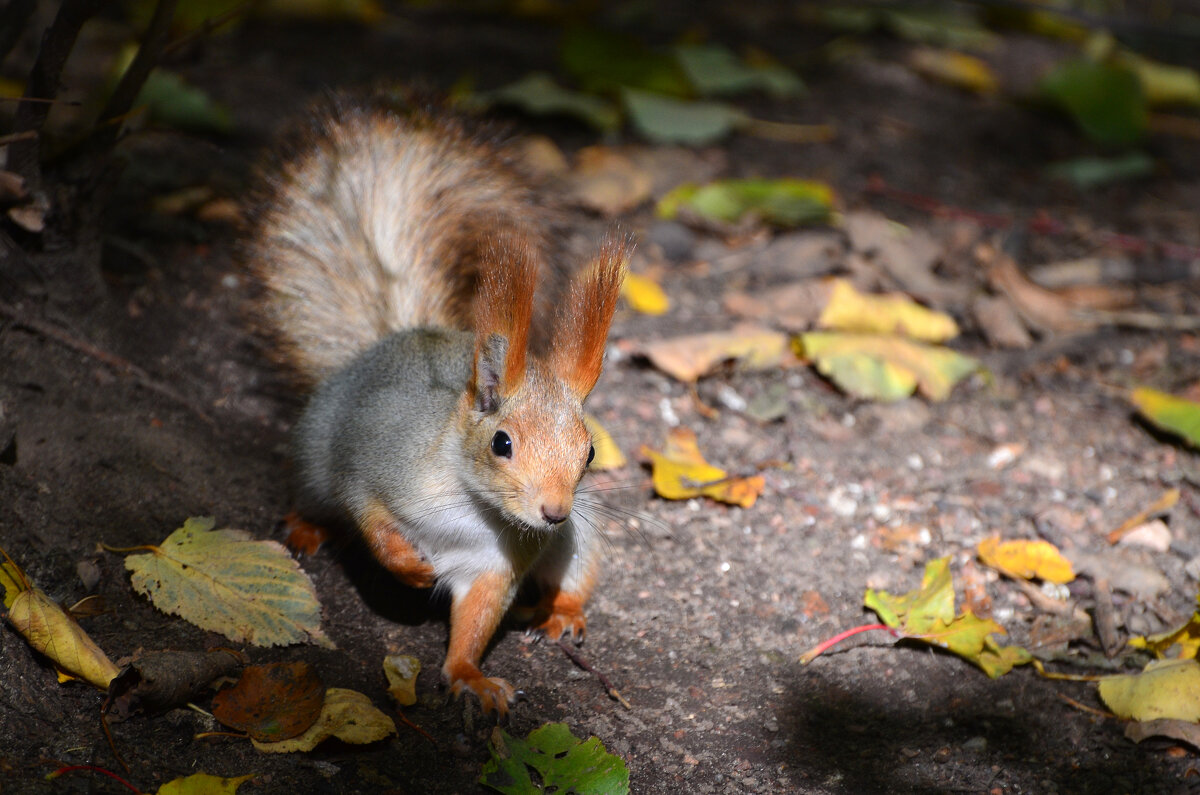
x,y
975,744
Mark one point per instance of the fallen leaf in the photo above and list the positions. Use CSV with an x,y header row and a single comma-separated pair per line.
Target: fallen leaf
x,y
347,715
1166,501
561,762
1026,560
688,357
272,702
644,295
954,69
159,681
907,254
539,95
782,202
680,472
606,181
714,69
608,454
49,630
1186,639
1086,173
885,368
793,307
1038,307
401,671
225,581
941,26
173,101
1165,689
203,784
668,120
12,580
850,310
1174,414
603,62
1173,729
1104,99
1000,323
1163,84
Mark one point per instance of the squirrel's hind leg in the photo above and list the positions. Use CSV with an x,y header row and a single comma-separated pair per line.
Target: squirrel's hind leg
x,y
392,549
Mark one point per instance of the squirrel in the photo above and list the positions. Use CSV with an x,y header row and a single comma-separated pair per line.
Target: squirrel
x,y
399,254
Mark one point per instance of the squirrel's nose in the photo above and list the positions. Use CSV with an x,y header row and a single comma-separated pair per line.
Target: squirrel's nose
x,y
555,513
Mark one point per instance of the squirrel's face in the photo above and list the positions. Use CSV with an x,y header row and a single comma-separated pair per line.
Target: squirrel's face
x,y
531,452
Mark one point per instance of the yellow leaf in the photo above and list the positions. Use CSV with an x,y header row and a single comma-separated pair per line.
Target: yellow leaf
x,y
347,715
1175,414
224,581
608,454
12,579
955,69
401,671
1026,560
1165,689
885,368
645,295
203,784
689,357
681,473
1186,638
49,630
850,310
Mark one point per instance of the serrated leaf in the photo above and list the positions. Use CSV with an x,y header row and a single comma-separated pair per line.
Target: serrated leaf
x,y
782,202
1175,414
225,581
604,62
714,69
680,472
850,310
272,702
1105,100
562,762
1166,689
608,454
1092,172
664,119
1026,560
347,715
401,671
539,95
644,295
49,630
885,368
203,784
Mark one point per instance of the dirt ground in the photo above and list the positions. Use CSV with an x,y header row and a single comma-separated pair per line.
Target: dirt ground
x,y
702,610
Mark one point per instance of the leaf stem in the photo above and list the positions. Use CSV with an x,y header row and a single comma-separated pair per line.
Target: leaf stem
x,y
824,646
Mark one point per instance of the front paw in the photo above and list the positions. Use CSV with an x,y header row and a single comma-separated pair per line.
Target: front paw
x,y
494,693
563,620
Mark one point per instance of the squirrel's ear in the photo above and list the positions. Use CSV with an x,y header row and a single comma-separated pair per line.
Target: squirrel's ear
x,y
581,330
508,273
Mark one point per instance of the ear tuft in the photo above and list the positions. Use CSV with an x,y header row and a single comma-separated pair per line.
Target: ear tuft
x,y
503,311
581,330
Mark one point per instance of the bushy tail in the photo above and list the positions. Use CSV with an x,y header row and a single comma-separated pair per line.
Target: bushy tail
x,y
373,220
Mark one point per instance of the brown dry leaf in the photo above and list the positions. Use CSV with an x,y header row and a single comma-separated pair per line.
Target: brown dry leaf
x,y
49,630
347,715
272,702
401,671
607,181
1162,505
1098,296
1037,306
850,310
1026,560
680,473
1181,730
163,680
1000,323
12,187
908,255
793,307
689,357
539,157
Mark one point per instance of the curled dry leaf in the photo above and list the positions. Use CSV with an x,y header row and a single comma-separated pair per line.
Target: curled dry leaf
x,y
1026,560
681,473
272,702
49,630
159,681
688,357
1040,308
347,715
401,671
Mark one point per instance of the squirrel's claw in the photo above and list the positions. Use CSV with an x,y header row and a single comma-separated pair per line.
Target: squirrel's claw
x,y
563,622
494,693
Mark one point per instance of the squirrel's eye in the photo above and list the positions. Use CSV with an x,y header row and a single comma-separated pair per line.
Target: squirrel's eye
x,y
502,445
591,454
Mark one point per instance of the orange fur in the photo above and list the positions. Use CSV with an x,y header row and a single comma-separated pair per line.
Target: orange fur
x,y
561,612
582,326
473,620
390,548
504,303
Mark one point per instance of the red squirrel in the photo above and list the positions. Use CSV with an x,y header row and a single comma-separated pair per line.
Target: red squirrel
x,y
400,255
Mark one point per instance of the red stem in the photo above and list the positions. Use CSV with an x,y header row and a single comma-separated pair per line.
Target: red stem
x,y
94,769
822,647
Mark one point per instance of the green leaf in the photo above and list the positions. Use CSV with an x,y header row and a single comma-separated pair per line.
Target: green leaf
x,y
783,202
561,761
1092,172
1163,84
538,95
715,70
1174,414
941,28
604,62
879,367
172,101
225,581
1105,100
667,120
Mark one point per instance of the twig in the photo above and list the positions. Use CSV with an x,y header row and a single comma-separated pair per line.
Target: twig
x,y
28,135
1085,707
126,92
580,661
113,743
404,719
121,365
